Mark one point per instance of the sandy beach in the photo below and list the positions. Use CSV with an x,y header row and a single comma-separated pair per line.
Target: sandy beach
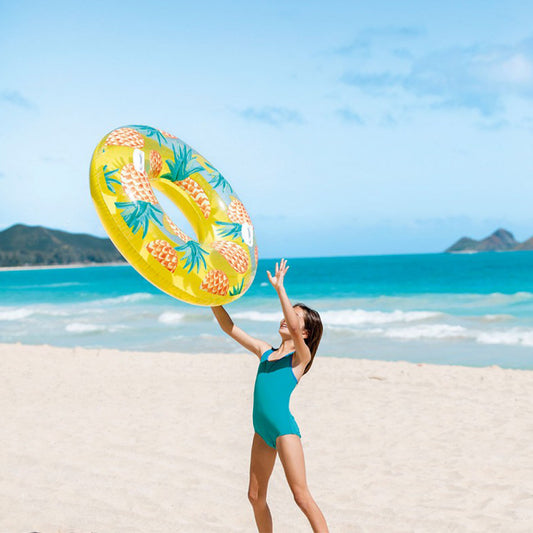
x,y
106,441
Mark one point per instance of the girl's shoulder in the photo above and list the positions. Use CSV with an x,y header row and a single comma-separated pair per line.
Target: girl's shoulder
x,y
267,352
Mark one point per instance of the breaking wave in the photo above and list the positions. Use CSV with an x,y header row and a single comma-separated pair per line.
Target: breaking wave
x,y
17,313
356,317
127,298
80,327
169,317
512,336
259,316
348,317
429,331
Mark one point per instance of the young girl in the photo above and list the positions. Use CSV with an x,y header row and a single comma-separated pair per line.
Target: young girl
x,y
276,431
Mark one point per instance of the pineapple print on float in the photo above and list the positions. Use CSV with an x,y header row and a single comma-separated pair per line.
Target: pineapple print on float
x,y
214,267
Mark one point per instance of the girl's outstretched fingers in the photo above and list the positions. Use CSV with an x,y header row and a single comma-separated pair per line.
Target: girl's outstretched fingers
x,y
274,281
277,279
283,268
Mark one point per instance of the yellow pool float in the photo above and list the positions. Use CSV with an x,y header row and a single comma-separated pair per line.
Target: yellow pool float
x,y
214,268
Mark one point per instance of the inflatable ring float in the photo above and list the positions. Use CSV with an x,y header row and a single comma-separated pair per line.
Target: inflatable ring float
x,y
213,268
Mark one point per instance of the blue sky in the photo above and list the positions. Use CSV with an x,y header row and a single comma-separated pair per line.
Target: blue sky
x,y
346,128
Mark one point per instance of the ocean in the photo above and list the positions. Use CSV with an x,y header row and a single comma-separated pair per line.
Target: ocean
x,y
461,309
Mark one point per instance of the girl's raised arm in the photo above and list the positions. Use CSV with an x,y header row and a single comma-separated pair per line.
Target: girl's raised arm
x,y
256,346
303,354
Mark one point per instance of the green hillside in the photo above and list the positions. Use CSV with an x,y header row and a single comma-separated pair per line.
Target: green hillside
x,y
22,245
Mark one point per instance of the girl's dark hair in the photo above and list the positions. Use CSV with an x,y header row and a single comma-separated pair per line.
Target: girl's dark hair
x,y
313,325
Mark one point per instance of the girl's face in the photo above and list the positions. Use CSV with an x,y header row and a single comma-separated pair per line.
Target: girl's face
x,y
284,330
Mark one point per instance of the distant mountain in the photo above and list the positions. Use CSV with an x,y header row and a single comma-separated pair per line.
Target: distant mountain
x,y
500,241
526,245
22,245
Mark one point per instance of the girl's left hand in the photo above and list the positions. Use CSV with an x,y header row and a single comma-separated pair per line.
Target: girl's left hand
x,y
277,279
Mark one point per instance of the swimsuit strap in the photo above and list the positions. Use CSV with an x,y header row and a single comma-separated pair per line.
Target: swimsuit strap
x,y
267,353
272,350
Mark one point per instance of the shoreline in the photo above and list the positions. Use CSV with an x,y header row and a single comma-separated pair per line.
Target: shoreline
x,y
320,356
70,265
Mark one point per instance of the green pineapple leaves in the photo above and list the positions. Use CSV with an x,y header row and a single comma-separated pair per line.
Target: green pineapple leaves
x,y
217,179
180,169
193,255
152,132
237,289
138,215
230,229
109,181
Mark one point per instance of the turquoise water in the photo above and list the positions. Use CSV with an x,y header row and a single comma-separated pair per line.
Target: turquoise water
x,y
467,309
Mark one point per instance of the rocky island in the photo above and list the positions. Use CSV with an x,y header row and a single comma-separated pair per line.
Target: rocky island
x,y
499,241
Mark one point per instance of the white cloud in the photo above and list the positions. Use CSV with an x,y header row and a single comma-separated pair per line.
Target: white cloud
x,y
275,116
515,70
479,77
16,98
367,38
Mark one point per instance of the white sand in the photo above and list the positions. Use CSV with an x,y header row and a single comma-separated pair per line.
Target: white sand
x,y
108,442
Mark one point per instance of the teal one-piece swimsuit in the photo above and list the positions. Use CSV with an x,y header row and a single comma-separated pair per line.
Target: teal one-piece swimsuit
x,y
274,384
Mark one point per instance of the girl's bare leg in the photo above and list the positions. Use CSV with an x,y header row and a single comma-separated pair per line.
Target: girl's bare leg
x,y
291,455
261,465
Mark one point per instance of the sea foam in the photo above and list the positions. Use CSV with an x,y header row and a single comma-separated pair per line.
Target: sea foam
x,y
127,298
348,317
356,317
84,327
428,331
78,327
16,313
259,316
496,318
499,299
512,336
169,317
40,286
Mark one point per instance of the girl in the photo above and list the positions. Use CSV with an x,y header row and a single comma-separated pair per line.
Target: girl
x,y
276,431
